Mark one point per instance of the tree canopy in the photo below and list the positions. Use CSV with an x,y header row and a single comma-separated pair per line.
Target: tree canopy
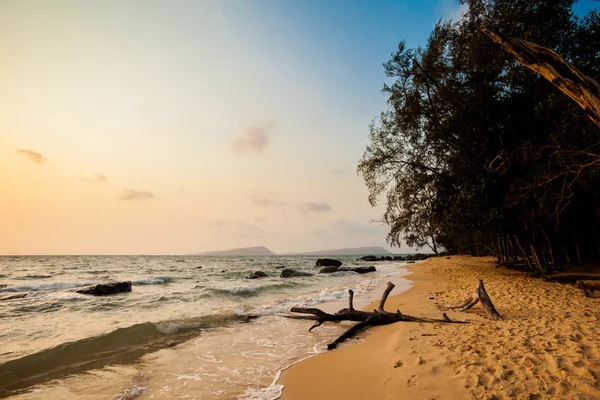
x,y
476,153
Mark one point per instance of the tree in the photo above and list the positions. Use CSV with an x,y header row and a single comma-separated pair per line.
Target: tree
x,y
478,154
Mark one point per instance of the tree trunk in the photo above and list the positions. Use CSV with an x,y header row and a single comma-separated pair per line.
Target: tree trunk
x,y
550,248
584,90
523,251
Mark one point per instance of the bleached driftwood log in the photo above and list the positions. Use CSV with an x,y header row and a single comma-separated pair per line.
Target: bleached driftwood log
x,y
365,318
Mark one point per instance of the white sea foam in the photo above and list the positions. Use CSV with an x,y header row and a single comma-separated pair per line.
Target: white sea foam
x,y
132,392
159,280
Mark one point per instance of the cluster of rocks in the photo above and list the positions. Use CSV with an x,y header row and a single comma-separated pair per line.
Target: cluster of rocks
x,y
329,265
409,257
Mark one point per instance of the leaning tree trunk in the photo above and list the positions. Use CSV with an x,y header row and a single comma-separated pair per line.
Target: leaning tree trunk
x,y
365,318
584,90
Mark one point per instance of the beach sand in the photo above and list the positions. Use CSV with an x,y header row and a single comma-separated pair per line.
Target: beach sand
x,y
547,347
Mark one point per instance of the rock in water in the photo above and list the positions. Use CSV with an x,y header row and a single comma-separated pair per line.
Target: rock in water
x,y
359,270
328,262
369,258
291,273
103,289
257,275
329,270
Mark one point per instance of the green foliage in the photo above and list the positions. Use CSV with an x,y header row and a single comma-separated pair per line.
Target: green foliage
x,y
476,152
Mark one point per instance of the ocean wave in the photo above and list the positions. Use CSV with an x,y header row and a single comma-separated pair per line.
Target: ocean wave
x,y
159,280
118,346
250,289
45,287
26,277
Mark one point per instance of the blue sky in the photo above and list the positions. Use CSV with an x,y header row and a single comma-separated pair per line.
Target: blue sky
x,y
176,127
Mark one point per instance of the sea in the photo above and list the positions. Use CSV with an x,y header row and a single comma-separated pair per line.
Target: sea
x,y
193,327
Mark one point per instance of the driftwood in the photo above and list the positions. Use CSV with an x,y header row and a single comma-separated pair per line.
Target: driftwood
x,y
590,288
479,296
572,277
584,90
365,318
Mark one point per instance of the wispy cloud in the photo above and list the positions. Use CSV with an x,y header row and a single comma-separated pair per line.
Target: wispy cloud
x,y
339,171
219,223
263,201
313,207
357,228
97,178
243,228
254,140
450,10
32,156
130,194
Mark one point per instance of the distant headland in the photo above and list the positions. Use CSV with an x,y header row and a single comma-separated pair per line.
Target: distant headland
x,y
263,251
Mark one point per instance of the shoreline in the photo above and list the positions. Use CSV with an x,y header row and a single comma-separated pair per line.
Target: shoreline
x,y
545,347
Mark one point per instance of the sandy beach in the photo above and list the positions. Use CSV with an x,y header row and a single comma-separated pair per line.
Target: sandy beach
x,y
546,347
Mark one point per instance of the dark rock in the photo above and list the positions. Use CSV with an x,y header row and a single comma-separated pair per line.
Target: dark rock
x,y
257,275
369,258
280,267
292,273
359,270
410,262
200,267
409,257
329,270
328,262
3,285
447,258
398,258
103,289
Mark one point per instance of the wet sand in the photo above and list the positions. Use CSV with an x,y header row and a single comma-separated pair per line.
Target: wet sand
x,y
547,347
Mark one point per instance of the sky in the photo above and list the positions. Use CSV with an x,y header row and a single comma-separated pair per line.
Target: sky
x,y
160,127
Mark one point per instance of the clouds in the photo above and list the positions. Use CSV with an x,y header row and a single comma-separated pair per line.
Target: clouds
x,y
449,10
263,201
97,178
254,140
339,171
314,208
32,156
357,228
131,194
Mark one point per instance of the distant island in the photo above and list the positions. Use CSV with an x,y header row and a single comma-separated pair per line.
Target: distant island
x,y
242,251
352,251
263,251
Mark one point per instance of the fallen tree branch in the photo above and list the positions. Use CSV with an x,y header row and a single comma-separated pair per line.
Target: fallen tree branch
x,y
365,318
480,295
